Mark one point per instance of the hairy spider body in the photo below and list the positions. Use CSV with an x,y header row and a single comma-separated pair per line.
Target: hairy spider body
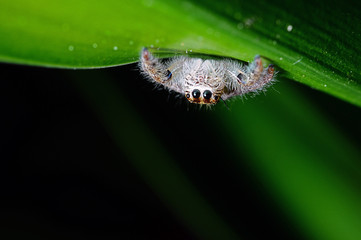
x,y
205,81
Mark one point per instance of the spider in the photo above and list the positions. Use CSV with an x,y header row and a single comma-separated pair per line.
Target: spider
x,y
206,81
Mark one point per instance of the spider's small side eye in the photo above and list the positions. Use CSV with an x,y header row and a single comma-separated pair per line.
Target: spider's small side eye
x,y
188,95
196,93
239,76
168,74
207,94
216,97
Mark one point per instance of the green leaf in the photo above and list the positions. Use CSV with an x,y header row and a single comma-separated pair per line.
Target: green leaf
x,y
317,44
307,164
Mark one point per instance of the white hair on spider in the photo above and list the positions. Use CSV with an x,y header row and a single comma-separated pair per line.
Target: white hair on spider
x,y
205,81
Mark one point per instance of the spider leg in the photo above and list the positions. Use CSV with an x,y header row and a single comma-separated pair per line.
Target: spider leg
x,y
259,77
254,72
267,77
262,81
154,68
257,67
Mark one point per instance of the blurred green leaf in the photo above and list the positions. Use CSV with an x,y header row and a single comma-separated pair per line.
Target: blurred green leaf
x,y
317,44
307,164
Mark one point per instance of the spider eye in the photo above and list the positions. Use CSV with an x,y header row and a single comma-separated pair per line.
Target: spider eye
x,y
188,95
216,98
196,93
168,74
207,94
239,76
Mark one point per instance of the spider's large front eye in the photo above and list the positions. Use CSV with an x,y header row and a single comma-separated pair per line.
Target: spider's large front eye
x,y
207,94
196,93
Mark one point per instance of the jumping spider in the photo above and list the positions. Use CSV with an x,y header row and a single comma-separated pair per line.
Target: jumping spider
x,y
205,81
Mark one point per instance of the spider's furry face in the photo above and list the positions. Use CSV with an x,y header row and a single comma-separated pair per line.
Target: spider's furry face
x,y
206,84
199,96
203,93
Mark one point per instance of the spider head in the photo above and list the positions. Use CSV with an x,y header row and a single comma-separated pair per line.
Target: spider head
x,y
202,96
